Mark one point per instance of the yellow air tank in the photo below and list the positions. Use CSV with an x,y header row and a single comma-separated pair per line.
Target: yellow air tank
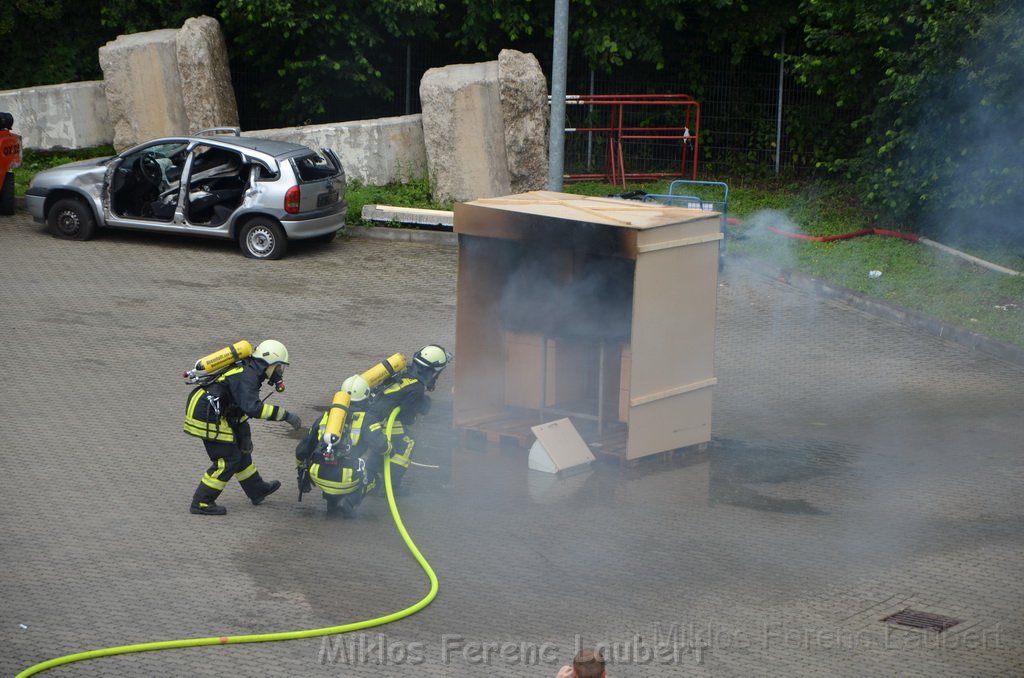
x,y
384,369
219,360
336,418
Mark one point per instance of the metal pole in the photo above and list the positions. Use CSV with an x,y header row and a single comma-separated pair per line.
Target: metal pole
x,y
408,78
556,145
600,390
590,112
778,117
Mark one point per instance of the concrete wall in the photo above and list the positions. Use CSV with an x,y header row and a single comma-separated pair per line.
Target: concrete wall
x,y
73,115
482,132
375,152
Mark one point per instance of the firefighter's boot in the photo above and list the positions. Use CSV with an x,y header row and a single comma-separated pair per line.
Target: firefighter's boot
x,y
346,508
397,487
257,489
204,502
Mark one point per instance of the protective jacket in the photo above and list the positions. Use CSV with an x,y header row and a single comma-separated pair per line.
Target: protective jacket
x,y
214,412
344,471
397,407
405,399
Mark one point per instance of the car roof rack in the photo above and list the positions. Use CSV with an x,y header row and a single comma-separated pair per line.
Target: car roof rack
x,y
235,131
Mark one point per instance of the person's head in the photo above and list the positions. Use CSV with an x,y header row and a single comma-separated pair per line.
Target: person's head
x,y
357,388
428,363
274,355
588,663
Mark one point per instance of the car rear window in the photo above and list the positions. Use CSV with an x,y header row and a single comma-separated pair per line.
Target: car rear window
x,y
313,167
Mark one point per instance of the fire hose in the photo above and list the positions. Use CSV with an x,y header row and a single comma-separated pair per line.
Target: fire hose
x,y
911,237
269,637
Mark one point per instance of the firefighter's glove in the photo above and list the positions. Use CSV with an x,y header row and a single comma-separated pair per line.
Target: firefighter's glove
x,y
245,445
293,420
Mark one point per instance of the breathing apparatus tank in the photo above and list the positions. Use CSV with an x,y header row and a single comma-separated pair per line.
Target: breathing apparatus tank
x,y
385,369
218,360
336,419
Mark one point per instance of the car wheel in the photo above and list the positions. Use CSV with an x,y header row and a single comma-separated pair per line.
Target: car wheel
x,y
263,239
7,195
71,219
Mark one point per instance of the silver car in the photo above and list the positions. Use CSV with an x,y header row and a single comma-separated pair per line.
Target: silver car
x,y
217,183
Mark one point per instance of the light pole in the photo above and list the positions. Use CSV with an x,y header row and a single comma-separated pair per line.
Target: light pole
x,y
556,143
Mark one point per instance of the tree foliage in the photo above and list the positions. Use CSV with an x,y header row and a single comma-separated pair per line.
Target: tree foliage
x,y
932,88
299,53
46,42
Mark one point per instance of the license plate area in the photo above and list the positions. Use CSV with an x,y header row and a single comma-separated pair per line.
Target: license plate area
x,y
328,198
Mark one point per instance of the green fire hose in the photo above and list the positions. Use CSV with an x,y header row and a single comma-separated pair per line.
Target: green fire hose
x,y
267,637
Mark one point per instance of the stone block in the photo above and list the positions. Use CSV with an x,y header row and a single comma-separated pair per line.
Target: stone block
x,y
72,115
375,152
206,90
525,112
463,131
143,86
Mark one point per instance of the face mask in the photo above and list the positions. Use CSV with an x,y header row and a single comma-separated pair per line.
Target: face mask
x,y
277,379
431,380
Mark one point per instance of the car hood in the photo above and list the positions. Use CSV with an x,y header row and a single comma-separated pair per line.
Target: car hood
x,y
67,174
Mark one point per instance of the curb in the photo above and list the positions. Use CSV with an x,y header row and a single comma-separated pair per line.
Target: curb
x,y
973,340
403,235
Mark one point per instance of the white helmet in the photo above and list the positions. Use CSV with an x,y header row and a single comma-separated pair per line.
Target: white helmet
x,y
432,356
357,387
272,352
428,363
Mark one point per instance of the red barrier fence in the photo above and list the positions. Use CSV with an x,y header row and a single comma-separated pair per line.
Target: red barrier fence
x,y
644,137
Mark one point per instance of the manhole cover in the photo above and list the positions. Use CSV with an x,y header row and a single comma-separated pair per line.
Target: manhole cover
x,y
922,620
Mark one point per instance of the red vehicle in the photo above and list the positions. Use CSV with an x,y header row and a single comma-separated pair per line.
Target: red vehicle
x,y
10,157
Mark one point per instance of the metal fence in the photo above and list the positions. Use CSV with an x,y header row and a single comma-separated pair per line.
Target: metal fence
x,y
754,117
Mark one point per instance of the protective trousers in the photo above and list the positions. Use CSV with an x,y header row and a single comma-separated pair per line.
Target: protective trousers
x,y
229,461
401,450
339,480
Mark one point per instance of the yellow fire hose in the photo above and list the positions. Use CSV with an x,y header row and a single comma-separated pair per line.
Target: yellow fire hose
x,y
267,637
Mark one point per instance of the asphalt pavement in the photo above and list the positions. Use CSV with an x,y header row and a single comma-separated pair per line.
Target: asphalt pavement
x,y
860,467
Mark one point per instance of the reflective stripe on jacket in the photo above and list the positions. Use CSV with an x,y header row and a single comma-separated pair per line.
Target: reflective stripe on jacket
x,y
213,411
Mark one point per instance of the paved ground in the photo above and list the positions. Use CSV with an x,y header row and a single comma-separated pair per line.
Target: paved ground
x,y
858,468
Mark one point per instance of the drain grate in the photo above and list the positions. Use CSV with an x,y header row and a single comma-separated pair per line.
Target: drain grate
x,y
922,620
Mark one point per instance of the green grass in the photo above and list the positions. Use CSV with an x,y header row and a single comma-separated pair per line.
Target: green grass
x,y
35,161
914,276
413,194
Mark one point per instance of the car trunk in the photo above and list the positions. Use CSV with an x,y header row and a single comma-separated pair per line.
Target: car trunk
x,y
321,180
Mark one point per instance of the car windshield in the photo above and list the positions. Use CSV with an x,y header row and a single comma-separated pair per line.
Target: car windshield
x,y
173,151
313,167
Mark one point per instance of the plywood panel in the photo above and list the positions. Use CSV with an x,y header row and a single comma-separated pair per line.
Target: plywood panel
x,y
479,370
672,347
568,368
669,423
673,318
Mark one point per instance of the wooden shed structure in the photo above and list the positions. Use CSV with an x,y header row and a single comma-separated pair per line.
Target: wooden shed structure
x,y
601,310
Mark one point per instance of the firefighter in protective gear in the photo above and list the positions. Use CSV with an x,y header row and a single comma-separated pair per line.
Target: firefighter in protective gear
x,y
219,412
400,401
340,471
